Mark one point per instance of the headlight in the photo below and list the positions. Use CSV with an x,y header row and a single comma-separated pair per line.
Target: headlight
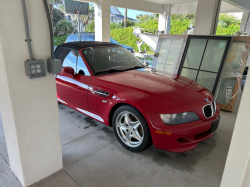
x,y
180,118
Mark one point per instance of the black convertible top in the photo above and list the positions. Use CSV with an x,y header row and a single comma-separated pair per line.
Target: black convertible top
x,y
81,44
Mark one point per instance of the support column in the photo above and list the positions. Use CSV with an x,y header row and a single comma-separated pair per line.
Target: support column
x,y
28,106
237,169
102,21
164,22
207,14
245,22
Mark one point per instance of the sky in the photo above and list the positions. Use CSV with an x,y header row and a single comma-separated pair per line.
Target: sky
x,y
132,13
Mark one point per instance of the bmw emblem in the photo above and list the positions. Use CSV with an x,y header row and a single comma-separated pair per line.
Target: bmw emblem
x,y
207,100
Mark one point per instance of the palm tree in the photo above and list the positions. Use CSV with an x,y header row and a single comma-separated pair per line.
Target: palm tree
x,y
86,19
51,6
125,18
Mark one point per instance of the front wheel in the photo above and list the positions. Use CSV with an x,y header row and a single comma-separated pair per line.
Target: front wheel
x,y
131,129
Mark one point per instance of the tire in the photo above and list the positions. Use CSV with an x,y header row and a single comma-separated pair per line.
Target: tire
x,y
131,129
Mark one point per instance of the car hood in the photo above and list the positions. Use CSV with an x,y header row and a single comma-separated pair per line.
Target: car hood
x,y
176,88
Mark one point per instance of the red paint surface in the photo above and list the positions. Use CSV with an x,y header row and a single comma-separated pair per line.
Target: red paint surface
x,y
151,94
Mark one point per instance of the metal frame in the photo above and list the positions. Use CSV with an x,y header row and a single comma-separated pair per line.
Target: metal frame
x,y
218,77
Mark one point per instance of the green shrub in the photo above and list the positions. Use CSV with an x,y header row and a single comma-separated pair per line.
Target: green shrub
x,y
227,30
64,27
114,25
90,27
58,15
60,39
129,23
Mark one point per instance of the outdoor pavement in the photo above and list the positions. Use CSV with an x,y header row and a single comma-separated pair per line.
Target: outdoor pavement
x,y
93,157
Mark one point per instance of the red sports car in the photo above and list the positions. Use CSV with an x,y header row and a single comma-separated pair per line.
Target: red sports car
x,y
106,82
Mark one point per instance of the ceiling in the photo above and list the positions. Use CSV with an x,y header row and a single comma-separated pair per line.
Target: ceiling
x,y
189,6
172,2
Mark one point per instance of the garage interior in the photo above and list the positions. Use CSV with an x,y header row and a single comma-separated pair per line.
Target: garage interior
x,y
92,156
71,149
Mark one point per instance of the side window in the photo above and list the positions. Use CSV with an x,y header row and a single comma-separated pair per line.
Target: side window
x,y
70,60
81,67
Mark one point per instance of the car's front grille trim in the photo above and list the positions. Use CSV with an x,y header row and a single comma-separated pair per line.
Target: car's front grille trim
x,y
209,110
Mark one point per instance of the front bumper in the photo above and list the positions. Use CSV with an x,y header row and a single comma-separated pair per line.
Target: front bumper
x,y
181,138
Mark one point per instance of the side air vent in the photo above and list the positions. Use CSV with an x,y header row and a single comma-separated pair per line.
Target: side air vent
x,y
102,93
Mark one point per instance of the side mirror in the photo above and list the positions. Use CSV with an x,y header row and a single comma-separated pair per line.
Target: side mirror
x,y
81,72
69,70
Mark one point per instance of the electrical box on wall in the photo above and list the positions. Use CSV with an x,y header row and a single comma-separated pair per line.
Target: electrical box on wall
x,y
35,68
54,66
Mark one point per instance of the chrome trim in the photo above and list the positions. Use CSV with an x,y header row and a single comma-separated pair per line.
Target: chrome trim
x,y
214,106
91,114
104,101
211,110
70,80
103,93
61,101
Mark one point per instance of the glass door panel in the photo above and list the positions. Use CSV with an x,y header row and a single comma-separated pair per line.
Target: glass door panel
x,y
206,79
213,55
189,73
195,53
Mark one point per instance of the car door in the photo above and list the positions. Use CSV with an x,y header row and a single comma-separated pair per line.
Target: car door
x,y
72,88
83,78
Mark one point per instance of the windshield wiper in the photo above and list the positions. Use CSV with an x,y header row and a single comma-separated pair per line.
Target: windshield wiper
x,y
110,71
135,67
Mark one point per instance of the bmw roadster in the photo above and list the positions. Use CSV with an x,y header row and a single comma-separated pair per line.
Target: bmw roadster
x,y
109,84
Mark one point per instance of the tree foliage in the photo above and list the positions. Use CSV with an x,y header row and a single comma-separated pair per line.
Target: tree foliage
x,y
228,24
90,27
64,27
87,19
129,23
58,15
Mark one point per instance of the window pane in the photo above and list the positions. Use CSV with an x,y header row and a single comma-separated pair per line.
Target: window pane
x,y
189,73
207,80
194,54
172,56
213,55
70,60
168,55
82,67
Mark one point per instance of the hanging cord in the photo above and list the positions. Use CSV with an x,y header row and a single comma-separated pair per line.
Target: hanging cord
x,y
27,29
50,28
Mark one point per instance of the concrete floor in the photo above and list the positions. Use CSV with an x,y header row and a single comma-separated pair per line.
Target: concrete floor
x,y
93,157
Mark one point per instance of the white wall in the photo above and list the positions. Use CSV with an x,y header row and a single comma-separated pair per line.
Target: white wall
x,y
102,21
28,107
206,17
237,167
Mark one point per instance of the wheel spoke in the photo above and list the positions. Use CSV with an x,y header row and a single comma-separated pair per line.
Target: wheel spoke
x,y
129,129
136,125
127,119
123,133
123,128
137,136
128,138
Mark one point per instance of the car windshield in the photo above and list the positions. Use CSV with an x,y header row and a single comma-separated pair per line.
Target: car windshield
x,y
113,41
110,59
